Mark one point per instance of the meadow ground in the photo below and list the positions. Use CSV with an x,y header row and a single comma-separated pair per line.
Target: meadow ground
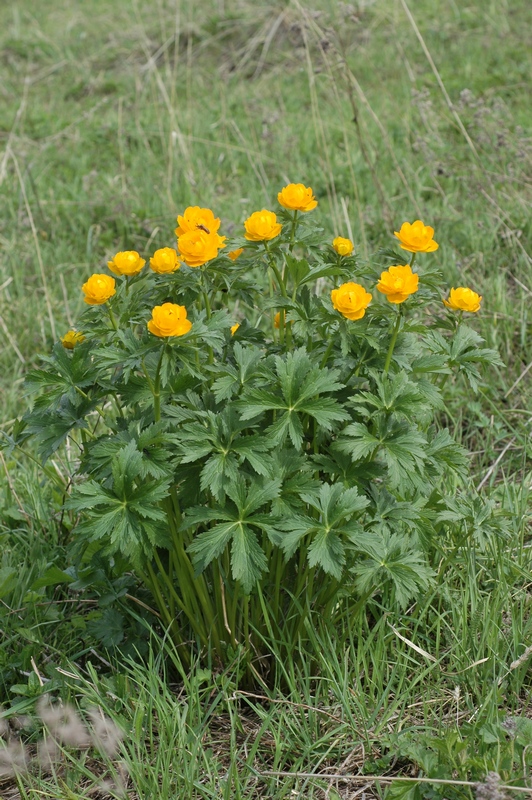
x,y
113,118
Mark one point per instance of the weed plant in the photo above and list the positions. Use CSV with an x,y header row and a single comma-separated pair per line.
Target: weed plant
x,y
252,477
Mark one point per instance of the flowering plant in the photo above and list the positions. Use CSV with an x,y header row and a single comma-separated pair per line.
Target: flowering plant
x,y
255,446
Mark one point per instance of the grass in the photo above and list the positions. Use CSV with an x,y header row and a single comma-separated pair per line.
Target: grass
x,y
114,118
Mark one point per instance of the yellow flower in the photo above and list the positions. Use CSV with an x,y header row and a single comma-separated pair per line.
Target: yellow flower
x,y
417,237
98,289
195,218
297,197
463,299
126,263
344,247
71,339
262,226
197,247
351,300
234,328
234,254
169,320
164,261
397,283
277,320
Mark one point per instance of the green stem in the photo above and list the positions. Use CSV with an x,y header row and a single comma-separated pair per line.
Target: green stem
x,y
157,388
205,293
293,232
147,376
358,366
284,330
413,259
118,404
112,317
194,619
153,584
443,381
278,571
196,587
206,301
275,269
393,340
327,354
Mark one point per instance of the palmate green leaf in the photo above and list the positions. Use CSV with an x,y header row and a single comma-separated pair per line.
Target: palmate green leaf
x,y
299,382
126,514
126,467
351,473
404,450
360,444
296,474
402,447
248,560
125,354
218,437
391,560
477,517
390,514
211,543
219,471
257,401
394,394
236,521
249,498
288,424
336,507
300,379
67,372
249,365
297,268
325,411
327,551
434,363
51,428
195,441
322,271
463,352
335,503
107,627
430,394
443,454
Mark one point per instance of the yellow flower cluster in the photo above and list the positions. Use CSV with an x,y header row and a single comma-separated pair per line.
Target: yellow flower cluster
x,y
398,282
262,226
198,241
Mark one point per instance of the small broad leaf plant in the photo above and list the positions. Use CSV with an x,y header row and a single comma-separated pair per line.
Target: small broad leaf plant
x,y
256,426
